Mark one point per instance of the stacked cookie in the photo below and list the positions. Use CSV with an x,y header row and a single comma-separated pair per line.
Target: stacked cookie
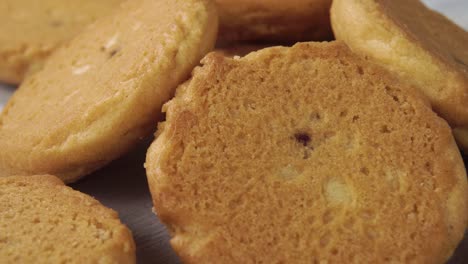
x,y
94,98
101,93
319,152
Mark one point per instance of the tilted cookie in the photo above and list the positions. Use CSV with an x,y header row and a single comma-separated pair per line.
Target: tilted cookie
x,y
43,221
420,45
102,93
274,20
32,29
302,155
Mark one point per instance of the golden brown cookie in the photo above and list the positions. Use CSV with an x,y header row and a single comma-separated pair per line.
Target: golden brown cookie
x,y
102,93
43,221
420,45
32,29
274,20
303,155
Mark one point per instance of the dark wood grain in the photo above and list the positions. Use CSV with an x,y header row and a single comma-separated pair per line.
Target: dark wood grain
x,y
123,187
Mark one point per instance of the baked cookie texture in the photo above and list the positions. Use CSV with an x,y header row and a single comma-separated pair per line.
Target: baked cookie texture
x,y
420,45
100,94
302,155
32,29
43,221
274,20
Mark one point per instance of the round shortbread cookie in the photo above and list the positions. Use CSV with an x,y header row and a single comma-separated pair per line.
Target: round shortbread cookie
x,y
43,221
32,29
303,155
420,45
102,93
274,20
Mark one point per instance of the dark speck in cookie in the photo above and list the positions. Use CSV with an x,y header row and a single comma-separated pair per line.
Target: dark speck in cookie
x,y
302,138
113,52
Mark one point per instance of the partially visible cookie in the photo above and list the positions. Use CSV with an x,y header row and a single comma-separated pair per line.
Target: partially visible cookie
x,y
44,221
32,29
100,94
420,45
274,20
306,154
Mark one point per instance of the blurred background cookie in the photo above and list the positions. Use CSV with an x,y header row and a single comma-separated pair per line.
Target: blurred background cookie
x,y
32,29
100,94
303,155
420,45
43,221
274,20
240,49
